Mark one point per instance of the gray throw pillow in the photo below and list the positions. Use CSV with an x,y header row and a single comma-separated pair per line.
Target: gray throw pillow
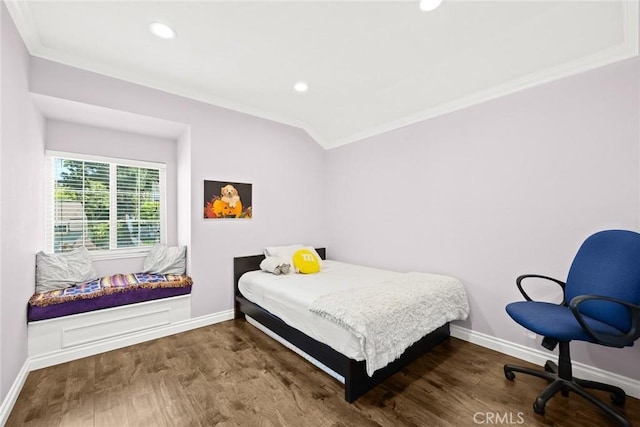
x,y
63,270
166,260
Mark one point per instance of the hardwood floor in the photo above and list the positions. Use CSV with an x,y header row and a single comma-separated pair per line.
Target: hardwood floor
x,y
230,374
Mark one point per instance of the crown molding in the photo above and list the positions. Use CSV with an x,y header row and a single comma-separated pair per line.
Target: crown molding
x,y
625,50
22,17
628,48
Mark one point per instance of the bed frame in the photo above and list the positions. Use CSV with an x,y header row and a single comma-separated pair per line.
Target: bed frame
x,y
356,380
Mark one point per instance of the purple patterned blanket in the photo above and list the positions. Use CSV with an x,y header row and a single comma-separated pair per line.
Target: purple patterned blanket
x,y
110,285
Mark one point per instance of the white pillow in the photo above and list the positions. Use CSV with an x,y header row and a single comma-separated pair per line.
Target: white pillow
x,y
283,252
166,260
272,250
63,270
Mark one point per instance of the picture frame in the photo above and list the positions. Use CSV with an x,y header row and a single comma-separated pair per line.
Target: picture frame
x,y
227,200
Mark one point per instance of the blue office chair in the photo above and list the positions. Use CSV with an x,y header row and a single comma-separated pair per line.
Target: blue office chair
x,y
601,305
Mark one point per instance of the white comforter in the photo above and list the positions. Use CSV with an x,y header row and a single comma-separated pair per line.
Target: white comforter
x,y
388,318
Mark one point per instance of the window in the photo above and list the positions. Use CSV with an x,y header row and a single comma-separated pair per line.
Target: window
x,y
113,207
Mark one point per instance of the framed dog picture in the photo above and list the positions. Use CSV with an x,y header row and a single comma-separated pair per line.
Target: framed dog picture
x,y
223,199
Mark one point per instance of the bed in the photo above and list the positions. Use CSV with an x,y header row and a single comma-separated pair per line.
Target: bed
x,y
339,356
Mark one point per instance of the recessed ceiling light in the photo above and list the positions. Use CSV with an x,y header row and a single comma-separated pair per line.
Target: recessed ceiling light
x,y
162,30
301,87
429,5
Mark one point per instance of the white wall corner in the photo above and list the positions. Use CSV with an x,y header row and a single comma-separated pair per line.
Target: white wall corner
x,y
12,396
33,363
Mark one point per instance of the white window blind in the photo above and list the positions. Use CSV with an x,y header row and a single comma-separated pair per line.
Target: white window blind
x,y
110,206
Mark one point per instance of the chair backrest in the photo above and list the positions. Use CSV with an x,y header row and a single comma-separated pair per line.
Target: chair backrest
x,y
607,264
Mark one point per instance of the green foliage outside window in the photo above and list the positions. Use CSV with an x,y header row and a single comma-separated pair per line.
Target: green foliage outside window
x,y
82,200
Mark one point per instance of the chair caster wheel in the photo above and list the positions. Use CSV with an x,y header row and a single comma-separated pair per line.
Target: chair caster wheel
x,y
551,367
509,375
537,408
617,399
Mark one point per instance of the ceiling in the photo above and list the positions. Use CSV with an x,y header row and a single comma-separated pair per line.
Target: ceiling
x,y
371,66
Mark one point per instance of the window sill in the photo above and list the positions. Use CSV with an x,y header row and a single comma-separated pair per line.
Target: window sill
x,y
119,254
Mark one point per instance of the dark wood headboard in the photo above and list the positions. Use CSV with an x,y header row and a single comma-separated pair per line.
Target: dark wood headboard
x,y
244,264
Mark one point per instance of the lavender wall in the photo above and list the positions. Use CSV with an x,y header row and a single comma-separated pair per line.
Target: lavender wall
x,y
21,177
285,166
508,187
183,181
78,138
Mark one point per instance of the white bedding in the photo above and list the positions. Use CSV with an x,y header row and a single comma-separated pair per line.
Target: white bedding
x,y
389,318
290,296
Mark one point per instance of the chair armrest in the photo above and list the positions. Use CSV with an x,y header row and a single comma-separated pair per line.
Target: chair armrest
x,y
537,276
603,339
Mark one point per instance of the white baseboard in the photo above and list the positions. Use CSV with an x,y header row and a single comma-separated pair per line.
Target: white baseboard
x,y
62,356
109,325
54,358
12,396
629,385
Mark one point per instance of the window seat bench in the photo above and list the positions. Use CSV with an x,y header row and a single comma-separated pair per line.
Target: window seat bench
x,y
105,292
106,308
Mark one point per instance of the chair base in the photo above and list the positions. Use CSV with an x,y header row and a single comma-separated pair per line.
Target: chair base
x,y
561,380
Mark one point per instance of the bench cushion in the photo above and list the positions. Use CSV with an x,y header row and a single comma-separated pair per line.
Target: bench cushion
x,y
105,292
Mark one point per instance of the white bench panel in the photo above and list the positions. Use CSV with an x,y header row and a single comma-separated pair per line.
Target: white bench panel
x,y
95,327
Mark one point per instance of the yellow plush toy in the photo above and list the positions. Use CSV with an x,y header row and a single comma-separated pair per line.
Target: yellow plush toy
x,y
306,262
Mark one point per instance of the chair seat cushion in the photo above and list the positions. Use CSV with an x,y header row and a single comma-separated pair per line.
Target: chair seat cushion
x,y
555,321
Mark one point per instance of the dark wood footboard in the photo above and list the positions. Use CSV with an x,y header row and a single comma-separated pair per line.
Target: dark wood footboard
x,y
357,382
